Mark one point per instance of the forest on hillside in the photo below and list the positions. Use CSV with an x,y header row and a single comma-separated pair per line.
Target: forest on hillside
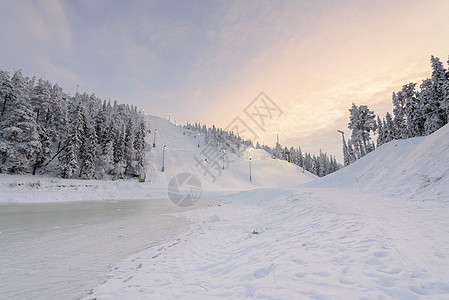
x,y
45,130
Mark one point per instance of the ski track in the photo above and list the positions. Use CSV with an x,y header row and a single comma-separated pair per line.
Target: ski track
x,y
311,244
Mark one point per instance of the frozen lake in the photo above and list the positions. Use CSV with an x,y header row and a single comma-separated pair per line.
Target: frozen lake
x,y
62,250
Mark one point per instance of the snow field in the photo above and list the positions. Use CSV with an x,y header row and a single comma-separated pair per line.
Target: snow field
x,y
306,244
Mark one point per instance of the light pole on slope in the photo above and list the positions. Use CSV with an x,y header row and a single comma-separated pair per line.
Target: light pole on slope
x,y
163,158
154,141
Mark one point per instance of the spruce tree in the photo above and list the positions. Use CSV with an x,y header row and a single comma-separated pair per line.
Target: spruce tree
x,y
19,143
430,108
5,92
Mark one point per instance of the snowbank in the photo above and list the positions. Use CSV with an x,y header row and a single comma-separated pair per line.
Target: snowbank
x,y
416,168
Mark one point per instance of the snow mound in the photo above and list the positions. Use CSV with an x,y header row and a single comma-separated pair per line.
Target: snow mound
x,y
416,168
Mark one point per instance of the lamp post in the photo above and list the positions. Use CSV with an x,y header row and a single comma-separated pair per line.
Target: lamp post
x,y
250,168
198,136
154,141
223,157
149,127
345,150
163,157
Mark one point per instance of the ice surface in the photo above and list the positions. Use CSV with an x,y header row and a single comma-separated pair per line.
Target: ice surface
x,y
62,250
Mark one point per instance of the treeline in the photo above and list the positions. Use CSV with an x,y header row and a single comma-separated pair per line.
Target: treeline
x,y
220,139
320,165
43,129
416,112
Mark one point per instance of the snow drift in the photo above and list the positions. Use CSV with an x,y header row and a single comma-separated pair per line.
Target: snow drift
x,y
416,168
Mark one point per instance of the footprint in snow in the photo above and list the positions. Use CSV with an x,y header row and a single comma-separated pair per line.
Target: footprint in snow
x,y
262,272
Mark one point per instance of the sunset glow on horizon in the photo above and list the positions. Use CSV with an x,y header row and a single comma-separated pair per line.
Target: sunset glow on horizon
x,y
205,61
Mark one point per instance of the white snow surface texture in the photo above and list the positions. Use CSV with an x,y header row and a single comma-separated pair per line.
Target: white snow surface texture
x,y
377,229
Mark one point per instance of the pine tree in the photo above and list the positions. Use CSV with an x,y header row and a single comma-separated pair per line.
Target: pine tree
x,y
71,157
430,108
361,123
19,143
415,118
58,118
351,153
389,128
5,91
119,157
399,115
380,132
40,100
45,151
129,151
106,157
88,166
139,146
440,87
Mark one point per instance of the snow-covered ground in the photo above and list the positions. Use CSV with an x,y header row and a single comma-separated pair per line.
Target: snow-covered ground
x,y
302,244
377,229
374,230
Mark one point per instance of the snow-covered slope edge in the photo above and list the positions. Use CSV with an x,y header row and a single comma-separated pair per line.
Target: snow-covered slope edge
x,y
417,168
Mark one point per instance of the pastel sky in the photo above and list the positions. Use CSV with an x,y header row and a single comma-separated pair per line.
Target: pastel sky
x,y
207,60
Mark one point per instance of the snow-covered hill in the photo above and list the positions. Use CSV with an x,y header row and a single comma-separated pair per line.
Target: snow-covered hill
x,y
417,168
182,155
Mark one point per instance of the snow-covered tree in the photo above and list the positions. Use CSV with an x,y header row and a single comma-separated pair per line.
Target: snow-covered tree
x,y
129,151
430,108
70,158
19,142
139,146
440,87
119,156
361,122
415,118
399,115
380,132
389,128
5,91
